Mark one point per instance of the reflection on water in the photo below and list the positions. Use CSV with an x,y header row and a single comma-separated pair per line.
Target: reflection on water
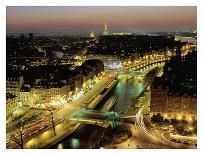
x,y
126,91
84,136
75,143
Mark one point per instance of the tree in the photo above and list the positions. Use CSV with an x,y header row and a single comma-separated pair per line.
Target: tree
x,y
157,119
174,122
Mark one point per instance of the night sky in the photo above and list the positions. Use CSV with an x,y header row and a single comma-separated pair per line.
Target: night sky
x,y
84,19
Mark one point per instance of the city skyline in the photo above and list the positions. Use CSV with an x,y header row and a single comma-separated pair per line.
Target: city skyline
x,y
101,78
82,20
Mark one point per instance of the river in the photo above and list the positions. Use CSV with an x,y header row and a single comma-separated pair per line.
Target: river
x,y
126,91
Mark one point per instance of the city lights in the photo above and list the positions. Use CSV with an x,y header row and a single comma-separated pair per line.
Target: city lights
x,y
102,84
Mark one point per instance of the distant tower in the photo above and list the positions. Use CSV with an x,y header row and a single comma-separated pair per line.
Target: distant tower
x,y
105,33
92,34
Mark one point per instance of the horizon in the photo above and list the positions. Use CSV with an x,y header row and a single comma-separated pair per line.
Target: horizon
x,y
86,19
189,30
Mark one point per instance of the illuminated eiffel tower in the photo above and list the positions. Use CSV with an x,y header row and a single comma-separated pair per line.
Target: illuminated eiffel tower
x,y
105,33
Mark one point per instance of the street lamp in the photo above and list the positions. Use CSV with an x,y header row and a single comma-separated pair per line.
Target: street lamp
x,y
15,138
21,137
52,121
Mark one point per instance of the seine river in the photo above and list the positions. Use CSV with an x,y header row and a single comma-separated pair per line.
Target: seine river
x,y
126,91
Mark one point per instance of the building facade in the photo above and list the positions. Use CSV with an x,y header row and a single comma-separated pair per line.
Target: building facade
x,y
46,94
44,86
26,96
13,85
173,105
11,103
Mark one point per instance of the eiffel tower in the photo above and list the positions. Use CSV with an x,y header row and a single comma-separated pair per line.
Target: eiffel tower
x,y
105,33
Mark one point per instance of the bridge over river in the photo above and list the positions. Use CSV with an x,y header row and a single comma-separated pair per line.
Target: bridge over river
x,y
100,118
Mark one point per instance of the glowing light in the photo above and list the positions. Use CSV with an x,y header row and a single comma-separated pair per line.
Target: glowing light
x,y
75,143
115,65
129,62
179,117
18,112
46,134
190,128
30,143
92,34
190,119
176,136
165,116
60,146
59,126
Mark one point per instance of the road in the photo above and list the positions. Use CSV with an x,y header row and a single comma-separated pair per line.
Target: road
x,y
145,138
84,99
74,105
68,109
144,135
152,137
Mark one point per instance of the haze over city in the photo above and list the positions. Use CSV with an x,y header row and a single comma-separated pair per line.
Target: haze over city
x,y
81,20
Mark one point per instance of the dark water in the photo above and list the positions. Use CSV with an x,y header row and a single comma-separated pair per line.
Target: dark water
x,y
126,92
86,135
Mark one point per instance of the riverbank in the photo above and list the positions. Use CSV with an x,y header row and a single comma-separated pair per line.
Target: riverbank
x,y
47,137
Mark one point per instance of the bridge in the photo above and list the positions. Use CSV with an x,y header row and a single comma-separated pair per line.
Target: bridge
x,y
146,62
105,118
99,118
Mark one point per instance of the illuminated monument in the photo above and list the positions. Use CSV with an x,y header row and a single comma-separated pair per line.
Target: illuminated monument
x,y
105,33
92,34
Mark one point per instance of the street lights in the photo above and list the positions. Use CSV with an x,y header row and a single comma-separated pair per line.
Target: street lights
x,y
21,137
15,138
52,121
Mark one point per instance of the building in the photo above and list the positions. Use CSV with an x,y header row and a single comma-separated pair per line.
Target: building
x,y
121,33
48,94
14,82
174,94
91,69
11,103
187,39
173,105
78,83
92,34
26,95
52,85
158,100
